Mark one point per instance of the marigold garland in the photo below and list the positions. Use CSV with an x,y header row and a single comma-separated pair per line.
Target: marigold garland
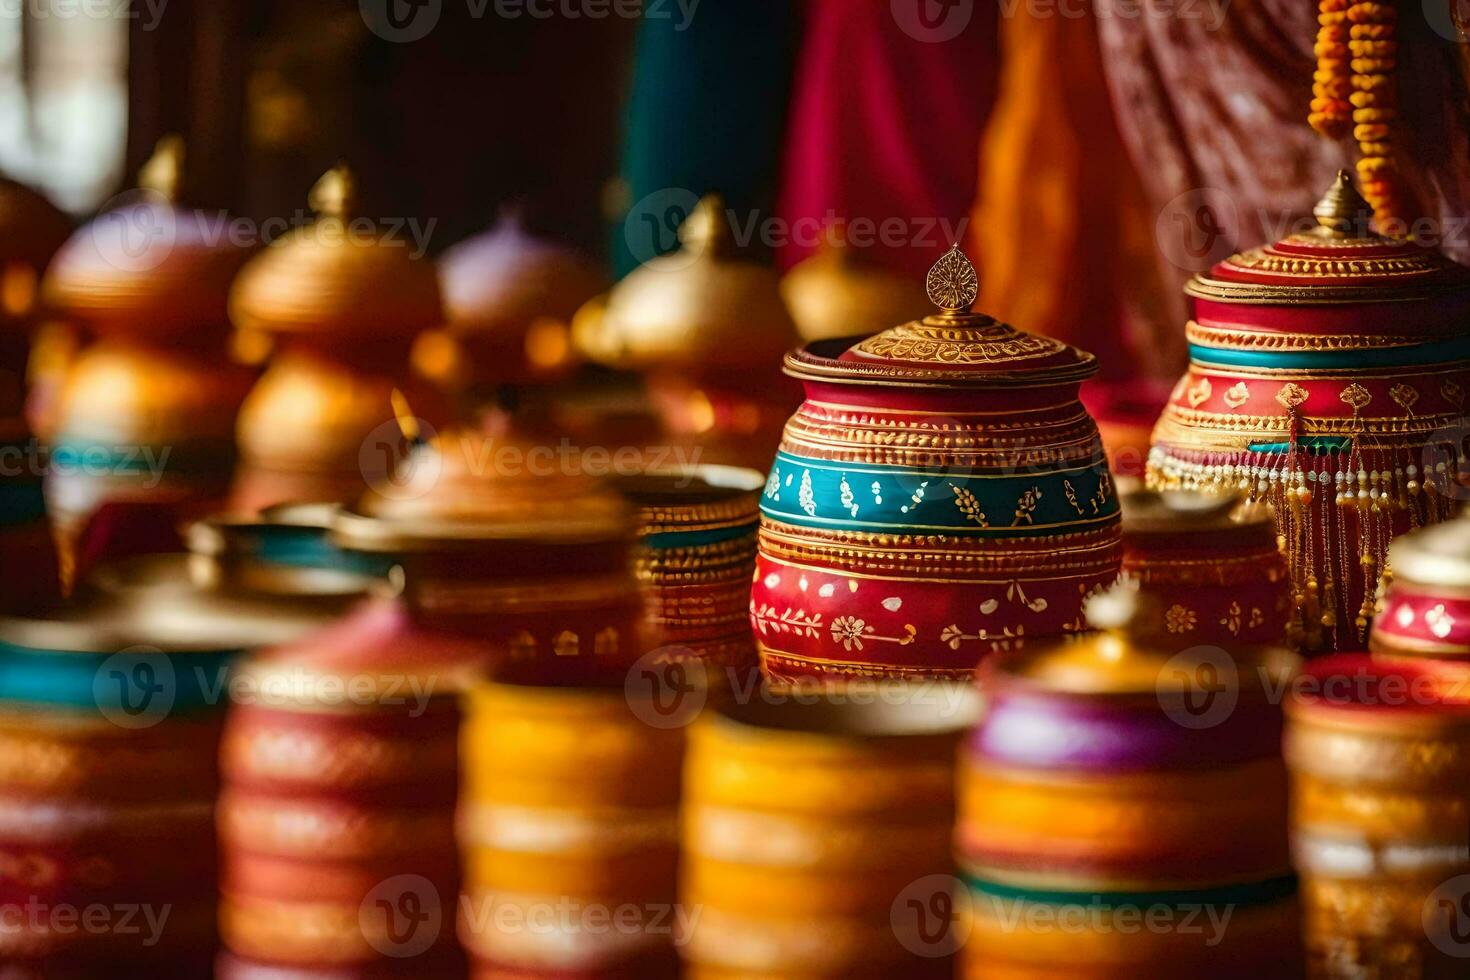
x,y
1354,91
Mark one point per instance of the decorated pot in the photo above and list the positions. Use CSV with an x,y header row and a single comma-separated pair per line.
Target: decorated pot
x,y
340,766
569,817
707,329
940,495
1116,780
110,713
1379,752
1425,611
1327,377
146,418
341,301
509,298
812,829
500,541
694,559
838,293
1212,563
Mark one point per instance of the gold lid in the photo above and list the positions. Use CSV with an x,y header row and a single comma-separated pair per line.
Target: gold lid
x,y
341,277
120,394
511,296
836,293
465,487
1341,260
953,348
699,307
1126,658
149,268
1436,556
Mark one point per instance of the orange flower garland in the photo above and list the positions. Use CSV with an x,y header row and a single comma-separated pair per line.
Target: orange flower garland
x,y
1332,83
1353,91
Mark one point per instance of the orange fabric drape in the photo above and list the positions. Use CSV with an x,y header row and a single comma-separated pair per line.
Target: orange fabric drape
x,y
1061,225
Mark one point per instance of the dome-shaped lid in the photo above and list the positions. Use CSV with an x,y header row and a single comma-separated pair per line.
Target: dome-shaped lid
x,y
1340,261
1436,556
953,348
149,268
701,306
341,277
1125,658
374,654
505,278
31,227
465,487
836,293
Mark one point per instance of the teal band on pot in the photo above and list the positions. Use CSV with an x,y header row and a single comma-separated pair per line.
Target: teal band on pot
x,y
135,683
309,547
818,493
694,539
1312,445
1238,894
1435,353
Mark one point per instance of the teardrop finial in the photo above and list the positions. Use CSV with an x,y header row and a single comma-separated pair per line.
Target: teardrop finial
x,y
164,170
334,195
706,225
952,284
1342,209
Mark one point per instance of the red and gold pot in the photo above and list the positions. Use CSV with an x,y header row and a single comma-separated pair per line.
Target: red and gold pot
x,y
110,715
341,300
147,413
940,495
808,827
508,542
1379,752
1213,565
568,831
694,559
1121,780
1328,375
340,766
1425,611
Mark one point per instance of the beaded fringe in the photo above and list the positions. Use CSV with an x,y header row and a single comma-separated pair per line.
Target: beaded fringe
x,y
1336,514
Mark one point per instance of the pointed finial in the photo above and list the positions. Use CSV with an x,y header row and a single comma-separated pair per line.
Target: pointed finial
x,y
1342,209
706,225
408,423
335,194
952,284
164,170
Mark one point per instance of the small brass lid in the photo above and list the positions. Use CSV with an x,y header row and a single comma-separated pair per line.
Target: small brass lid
x,y
836,293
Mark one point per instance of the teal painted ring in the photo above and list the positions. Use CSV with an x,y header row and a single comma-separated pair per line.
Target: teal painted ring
x,y
309,547
695,539
1239,894
125,683
823,494
1435,353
